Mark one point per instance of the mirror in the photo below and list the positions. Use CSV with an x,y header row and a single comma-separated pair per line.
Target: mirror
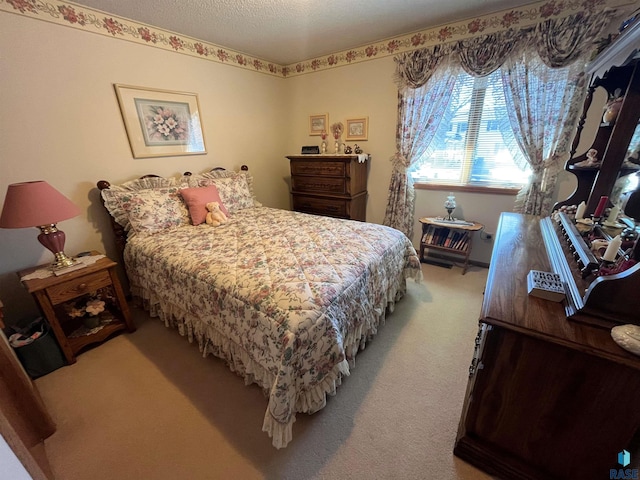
x,y
623,188
632,204
632,157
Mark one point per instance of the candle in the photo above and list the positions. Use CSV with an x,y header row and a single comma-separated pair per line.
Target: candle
x,y
580,211
613,215
612,249
601,205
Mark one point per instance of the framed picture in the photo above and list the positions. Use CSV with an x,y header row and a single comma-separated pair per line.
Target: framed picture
x,y
357,128
161,123
318,124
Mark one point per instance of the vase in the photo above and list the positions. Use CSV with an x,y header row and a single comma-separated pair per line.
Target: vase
x,y
91,322
611,113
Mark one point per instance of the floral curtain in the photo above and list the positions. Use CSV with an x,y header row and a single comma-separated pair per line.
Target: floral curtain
x,y
544,87
542,119
420,110
481,56
414,69
543,106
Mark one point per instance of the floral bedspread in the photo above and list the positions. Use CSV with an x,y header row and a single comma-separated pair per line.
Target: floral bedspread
x,y
286,298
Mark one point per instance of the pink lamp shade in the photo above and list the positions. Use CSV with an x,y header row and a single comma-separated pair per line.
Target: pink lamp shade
x,y
32,204
38,204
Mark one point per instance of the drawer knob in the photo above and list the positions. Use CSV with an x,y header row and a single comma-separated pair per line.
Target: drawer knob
x,y
82,286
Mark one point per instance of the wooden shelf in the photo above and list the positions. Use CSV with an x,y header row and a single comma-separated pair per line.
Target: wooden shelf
x,y
451,237
78,343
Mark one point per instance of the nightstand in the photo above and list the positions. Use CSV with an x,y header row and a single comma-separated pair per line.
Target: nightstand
x,y
453,237
54,295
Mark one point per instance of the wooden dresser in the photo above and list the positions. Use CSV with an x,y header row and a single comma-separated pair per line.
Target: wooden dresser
x,y
550,396
331,185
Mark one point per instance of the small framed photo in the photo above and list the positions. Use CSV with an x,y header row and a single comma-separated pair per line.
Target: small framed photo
x,y
357,128
161,123
318,124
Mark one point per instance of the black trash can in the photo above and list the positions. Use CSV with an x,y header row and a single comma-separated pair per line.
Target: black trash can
x,y
42,354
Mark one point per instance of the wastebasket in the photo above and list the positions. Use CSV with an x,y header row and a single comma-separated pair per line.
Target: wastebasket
x,y
37,348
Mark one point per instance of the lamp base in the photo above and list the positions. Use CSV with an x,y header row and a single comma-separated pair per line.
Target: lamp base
x,y
449,217
63,261
53,239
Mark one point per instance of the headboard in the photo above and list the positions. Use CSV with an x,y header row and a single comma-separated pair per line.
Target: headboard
x,y
120,235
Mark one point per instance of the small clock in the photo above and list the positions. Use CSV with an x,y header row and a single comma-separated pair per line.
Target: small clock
x,y
311,150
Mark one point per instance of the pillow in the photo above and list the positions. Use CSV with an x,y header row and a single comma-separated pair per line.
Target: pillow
x,y
149,211
215,175
233,190
196,199
112,200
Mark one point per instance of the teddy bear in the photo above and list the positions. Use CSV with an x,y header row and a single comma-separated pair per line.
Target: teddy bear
x,y
215,216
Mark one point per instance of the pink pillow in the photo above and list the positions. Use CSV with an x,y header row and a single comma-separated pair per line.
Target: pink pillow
x,y
197,197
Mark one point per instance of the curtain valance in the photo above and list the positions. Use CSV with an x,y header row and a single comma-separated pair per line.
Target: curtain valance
x,y
559,42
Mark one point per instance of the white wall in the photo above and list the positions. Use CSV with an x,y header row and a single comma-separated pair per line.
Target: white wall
x,y
368,89
62,124
362,89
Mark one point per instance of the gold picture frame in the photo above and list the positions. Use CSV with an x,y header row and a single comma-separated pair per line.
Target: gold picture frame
x,y
318,124
161,123
357,128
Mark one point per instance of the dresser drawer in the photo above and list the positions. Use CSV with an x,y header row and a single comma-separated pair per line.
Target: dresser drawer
x,y
78,286
325,169
319,184
321,206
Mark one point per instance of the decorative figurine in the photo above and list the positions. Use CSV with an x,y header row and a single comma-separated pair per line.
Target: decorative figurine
x,y
337,129
347,149
356,149
324,143
591,160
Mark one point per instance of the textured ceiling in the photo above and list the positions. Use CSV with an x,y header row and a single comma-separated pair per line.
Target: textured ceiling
x,y
288,31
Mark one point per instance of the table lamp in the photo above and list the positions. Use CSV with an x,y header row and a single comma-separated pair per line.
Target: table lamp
x,y
38,204
450,205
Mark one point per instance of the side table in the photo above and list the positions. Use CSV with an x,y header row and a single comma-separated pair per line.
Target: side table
x,y
55,294
454,237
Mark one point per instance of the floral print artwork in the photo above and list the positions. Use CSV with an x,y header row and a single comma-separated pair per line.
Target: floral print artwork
x,y
286,298
166,124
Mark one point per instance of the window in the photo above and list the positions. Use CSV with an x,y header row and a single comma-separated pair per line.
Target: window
x,y
474,143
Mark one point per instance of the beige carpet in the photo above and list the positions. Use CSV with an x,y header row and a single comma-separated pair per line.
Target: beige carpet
x,y
148,406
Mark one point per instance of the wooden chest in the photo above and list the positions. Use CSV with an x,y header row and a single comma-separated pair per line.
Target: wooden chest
x,y
331,185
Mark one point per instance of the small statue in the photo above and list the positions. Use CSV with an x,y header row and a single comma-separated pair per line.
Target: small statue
x,y
347,149
591,160
356,149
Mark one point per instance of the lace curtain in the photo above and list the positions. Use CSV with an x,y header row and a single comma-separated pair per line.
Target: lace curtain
x,y
543,118
556,42
543,106
420,111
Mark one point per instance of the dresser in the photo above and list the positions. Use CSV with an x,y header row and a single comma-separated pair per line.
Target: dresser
x,y
331,185
550,394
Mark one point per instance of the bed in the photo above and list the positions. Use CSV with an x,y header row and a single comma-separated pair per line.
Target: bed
x,y
285,298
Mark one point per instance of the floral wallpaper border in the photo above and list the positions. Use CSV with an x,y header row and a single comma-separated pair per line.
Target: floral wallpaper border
x,y
84,18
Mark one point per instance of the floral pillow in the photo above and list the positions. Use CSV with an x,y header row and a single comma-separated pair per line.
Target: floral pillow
x,y
233,188
147,211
